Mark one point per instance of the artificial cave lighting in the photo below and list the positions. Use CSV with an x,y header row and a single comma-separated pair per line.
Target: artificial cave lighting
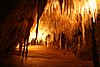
x,y
53,22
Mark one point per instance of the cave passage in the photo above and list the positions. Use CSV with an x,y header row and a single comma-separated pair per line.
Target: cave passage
x,y
50,30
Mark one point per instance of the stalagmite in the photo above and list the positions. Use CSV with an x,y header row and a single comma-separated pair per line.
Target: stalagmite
x,y
65,46
60,42
83,32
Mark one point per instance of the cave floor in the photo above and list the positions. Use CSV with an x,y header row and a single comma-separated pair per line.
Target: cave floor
x,y
39,56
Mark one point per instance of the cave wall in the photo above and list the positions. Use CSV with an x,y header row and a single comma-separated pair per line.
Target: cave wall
x,y
13,13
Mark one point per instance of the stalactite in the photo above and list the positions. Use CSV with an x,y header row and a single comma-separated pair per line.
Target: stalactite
x,y
41,5
60,3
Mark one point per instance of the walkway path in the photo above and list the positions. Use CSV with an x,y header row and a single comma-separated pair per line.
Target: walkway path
x,y
39,56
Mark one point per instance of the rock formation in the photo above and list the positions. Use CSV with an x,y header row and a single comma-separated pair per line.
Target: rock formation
x,y
13,13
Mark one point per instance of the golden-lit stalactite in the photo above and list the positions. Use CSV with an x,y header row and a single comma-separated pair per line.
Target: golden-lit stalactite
x,y
88,7
60,3
44,31
41,5
60,16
